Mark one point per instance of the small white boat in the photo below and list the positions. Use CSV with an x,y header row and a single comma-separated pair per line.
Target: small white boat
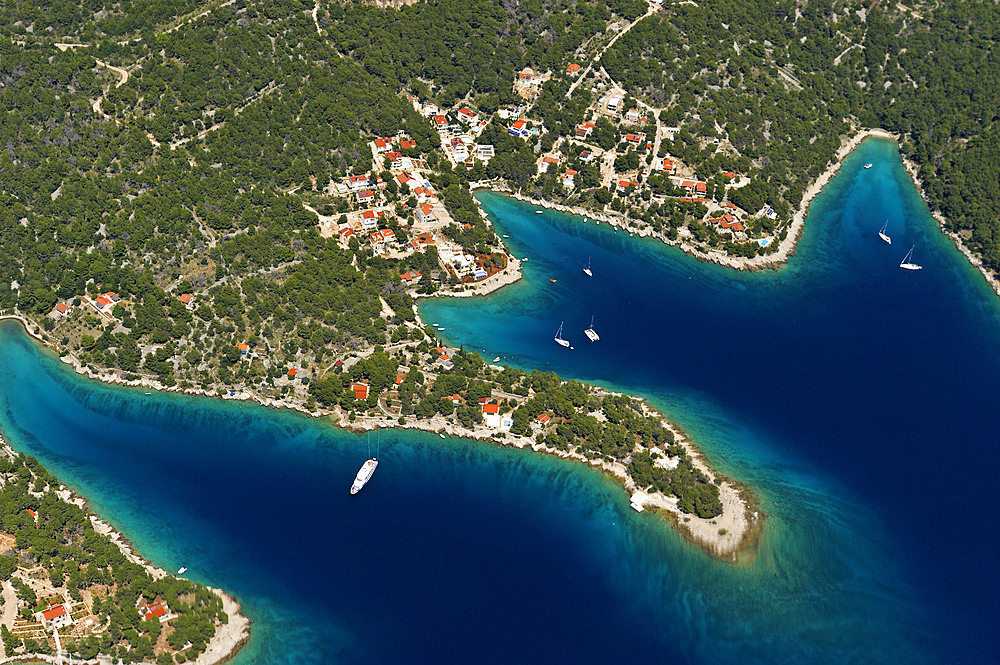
x,y
559,340
591,333
538,212
182,570
497,359
882,235
868,166
364,475
906,265
441,435
506,236
149,393
587,270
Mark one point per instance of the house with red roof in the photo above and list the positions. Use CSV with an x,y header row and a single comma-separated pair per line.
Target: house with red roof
x,y
395,159
360,390
468,116
186,298
623,186
407,180
567,178
388,236
157,610
55,616
366,196
518,128
424,194
634,139
585,130
243,347
425,213
357,182
291,373
573,68
700,187
383,145
60,310
346,231
407,144
102,302
440,121
543,419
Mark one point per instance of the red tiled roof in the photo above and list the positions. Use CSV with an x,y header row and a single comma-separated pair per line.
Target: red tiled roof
x,y
701,187
61,307
243,347
102,301
53,612
339,363
360,390
185,298
544,418
519,124
155,610
407,143
293,372
573,68
491,408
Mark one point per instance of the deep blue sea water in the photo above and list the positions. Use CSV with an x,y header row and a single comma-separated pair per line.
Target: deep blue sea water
x,y
855,398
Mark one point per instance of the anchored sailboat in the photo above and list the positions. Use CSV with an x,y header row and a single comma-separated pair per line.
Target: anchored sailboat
x,y
559,340
906,265
882,235
587,269
591,333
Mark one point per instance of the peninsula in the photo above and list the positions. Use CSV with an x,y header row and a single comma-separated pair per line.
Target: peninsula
x,y
73,587
245,199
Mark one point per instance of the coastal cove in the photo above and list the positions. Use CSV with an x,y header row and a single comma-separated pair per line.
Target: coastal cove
x,y
825,386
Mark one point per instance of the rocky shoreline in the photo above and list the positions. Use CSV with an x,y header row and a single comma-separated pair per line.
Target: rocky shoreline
x,y
223,646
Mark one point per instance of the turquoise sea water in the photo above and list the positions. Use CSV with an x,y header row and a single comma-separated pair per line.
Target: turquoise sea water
x,y
855,398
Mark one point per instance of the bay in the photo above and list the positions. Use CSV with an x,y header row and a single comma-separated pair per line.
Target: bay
x,y
852,396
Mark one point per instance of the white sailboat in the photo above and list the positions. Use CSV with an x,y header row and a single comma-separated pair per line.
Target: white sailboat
x,y
559,340
906,265
587,270
182,570
591,333
882,235
868,166
366,471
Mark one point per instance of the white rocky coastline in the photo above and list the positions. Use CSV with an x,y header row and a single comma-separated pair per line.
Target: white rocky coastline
x,y
224,645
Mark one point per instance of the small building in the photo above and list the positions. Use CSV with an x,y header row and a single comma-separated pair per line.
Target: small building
x,y
102,302
186,298
360,390
407,144
484,151
357,183
480,274
424,194
243,348
526,75
586,156
366,196
632,115
468,116
543,419
634,139
55,616
585,130
623,186
157,610
614,103
425,213
701,187
383,145
518,128
573,68
567,178
291,373
440,121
